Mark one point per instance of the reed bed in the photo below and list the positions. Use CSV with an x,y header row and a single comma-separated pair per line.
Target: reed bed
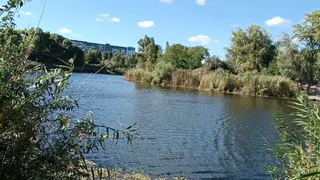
x,y
223,81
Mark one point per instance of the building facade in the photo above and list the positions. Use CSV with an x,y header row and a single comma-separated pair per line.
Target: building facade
x,y
86,46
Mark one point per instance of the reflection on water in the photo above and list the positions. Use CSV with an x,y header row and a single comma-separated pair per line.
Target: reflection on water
x,y
198,135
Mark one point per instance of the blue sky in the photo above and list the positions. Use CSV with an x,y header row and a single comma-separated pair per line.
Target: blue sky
x,y
189,22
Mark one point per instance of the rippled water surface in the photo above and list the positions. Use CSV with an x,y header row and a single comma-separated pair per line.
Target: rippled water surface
x,y
181,134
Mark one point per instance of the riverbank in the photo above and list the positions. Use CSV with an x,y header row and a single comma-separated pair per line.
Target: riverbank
x,y
253,84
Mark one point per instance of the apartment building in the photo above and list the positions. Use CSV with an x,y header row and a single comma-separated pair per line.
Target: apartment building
x,y
86,46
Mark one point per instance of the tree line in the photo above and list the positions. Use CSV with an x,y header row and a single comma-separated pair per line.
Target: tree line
x,y
252,50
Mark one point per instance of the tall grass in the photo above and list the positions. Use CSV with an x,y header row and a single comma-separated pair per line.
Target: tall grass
x,y
223,81
139,75
298,153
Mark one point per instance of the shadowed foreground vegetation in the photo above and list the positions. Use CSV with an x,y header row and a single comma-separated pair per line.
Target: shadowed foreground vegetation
x,y
39,139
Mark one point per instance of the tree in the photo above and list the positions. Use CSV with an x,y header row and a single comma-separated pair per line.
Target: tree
x,y
93,57
60,39
150,51
183,57
214,62
196,55
131,61
79,55
288,58
66,43
167,46
177,55
308,33
251,49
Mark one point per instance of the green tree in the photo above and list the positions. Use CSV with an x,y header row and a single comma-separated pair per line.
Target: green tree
x,y
183,57
308,33
93,57
60,39
79,55
149,51
251,49
131,61
214,62
177,55
197,54
66,43
288,58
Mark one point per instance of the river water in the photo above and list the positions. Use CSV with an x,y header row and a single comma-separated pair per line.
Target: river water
x,y
192,134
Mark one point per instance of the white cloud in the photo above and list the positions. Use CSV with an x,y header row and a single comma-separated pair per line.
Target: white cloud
x,y
28,13
202,39
201,2
99,19
106,16
67,31
115,19
146,24
166,1
278,21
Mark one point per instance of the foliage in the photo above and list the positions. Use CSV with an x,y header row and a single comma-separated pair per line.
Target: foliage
x,y
39,139
298,152
185,79
162,72
149,50
7,12
273,69
308,33
251,49
220,80
139,75
131,61
53,49
288,58
214,62
182,57
93,57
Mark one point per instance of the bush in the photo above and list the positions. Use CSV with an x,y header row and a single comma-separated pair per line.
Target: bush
x,y
162,72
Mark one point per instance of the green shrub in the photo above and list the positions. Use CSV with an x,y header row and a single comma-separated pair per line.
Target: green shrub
x,y
162,72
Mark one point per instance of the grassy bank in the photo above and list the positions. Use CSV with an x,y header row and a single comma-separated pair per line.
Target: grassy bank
x,y
222,81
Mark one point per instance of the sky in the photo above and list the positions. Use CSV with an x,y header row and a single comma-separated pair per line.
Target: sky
x,y
189,22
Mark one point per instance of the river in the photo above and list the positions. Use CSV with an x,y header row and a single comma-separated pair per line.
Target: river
x,y
192,134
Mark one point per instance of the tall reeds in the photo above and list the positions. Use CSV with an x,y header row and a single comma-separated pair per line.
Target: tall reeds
x,y
223,81
298,153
